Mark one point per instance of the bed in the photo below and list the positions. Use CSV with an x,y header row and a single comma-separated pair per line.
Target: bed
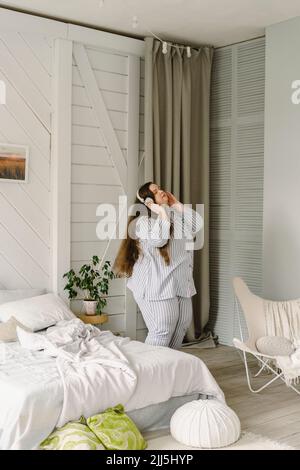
x,y
32,391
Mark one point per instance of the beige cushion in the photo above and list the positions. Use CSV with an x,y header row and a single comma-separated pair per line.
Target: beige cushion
x,y
8,330
275,346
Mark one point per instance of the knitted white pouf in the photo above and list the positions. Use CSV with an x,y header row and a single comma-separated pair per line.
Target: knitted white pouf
x,y
205,423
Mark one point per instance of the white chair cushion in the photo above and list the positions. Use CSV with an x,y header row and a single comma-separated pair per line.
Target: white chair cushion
x,y
275,346
37,313
206,424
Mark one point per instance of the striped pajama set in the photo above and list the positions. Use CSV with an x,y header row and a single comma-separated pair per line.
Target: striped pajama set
x,y
163,292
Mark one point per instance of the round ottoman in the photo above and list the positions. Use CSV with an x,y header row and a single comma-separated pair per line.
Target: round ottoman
x,y
205,423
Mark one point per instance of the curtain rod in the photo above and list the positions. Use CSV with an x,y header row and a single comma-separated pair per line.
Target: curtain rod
x,y
241,42
86,25
67,21
106,30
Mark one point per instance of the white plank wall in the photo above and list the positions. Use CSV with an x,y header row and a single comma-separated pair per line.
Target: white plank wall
x,y
61,164
26,68
141,329
95,175
102,98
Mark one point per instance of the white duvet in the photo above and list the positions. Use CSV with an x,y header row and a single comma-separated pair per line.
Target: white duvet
x,y
83,375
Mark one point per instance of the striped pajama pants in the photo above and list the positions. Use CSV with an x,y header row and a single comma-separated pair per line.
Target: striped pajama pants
x,y
167,320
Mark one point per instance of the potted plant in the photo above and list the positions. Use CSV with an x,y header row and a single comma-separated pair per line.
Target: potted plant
x,y
93,282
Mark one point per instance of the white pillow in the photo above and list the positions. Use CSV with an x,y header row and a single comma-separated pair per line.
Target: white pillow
x,y
10,295
8,330
38,312
274,346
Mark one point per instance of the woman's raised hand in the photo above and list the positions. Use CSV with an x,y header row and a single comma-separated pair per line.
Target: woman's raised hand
x,y
174,203
156,208
152,206
171,198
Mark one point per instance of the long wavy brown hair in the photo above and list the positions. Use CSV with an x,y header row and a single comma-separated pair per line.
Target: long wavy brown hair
x,y
130,250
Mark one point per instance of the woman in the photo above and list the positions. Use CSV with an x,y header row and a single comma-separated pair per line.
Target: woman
x,y
160,267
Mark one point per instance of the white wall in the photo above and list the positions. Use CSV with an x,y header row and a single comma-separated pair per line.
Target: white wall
x,y
26,69
49,224
281,238
95,176
141,329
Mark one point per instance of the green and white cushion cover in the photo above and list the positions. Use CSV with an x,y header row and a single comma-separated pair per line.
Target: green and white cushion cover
x,y
111,430
116,430
75,435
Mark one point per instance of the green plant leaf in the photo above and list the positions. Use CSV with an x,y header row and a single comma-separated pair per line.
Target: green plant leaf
x,y
90,281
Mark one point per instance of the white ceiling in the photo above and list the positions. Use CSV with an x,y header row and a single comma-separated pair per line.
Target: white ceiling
x,y
195,22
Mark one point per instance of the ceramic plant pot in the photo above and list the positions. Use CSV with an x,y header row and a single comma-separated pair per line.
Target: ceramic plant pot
x,y
90,306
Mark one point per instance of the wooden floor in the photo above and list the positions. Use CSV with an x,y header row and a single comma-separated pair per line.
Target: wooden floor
x,y
274,412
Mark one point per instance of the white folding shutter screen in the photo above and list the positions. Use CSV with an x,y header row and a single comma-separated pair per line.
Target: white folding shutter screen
x,y
100,127
236,179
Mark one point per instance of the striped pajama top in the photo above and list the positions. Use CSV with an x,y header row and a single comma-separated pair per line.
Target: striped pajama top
x,y
152,278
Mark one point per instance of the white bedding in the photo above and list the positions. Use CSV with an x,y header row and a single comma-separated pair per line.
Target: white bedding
x,y
32,392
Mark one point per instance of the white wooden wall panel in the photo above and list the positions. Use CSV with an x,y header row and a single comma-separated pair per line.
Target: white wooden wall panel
x,y
236,179
132,170
22,260
85,117
84,249
61,164
13,279
25,119
102,103
141,335
117,324
40,49
107,41
88,174
93,193
49,29
100,119
87,135
110,81
141,327
23,53
33,126
23,83
27,208
88,155
14,128
113,101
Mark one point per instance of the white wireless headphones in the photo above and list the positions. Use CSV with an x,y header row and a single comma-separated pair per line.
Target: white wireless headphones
x,y
148,199
139,197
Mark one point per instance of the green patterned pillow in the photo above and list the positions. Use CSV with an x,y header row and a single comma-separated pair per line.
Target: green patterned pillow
x,y
116,430
75,435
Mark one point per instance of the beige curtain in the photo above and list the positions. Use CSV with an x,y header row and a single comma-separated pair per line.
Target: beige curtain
x,y
177,95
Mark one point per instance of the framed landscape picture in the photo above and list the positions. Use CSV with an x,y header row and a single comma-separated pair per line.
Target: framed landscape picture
x,y
14,163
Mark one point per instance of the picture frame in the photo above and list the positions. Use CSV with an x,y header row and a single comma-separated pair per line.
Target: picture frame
x,y
14,163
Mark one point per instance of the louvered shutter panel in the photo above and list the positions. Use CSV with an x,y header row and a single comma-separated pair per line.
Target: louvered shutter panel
x,y
236,179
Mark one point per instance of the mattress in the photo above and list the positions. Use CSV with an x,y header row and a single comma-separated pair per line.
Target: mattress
x,y
31,390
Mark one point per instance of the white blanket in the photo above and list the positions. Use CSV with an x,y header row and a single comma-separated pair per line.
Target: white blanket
x,y
32,390
86,361
290,366
283,320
